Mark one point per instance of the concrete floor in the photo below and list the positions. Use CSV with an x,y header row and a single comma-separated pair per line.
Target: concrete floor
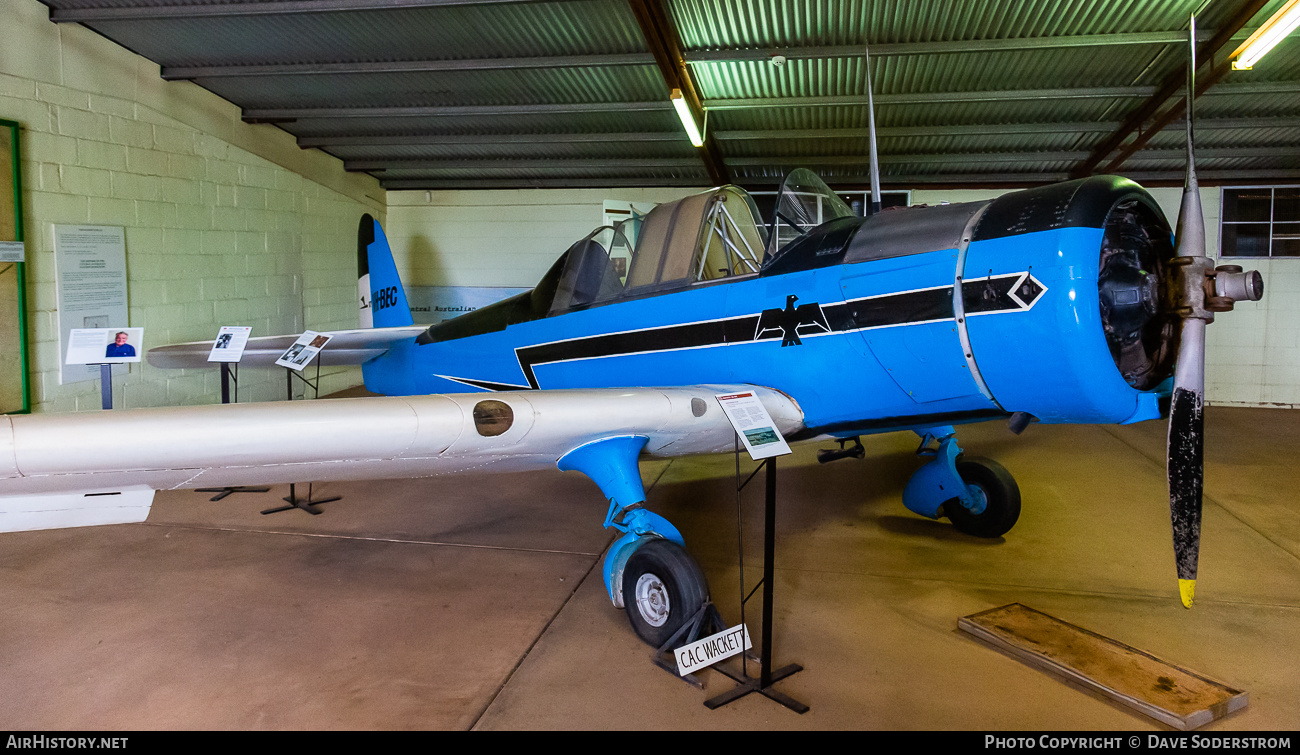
x,y
477,602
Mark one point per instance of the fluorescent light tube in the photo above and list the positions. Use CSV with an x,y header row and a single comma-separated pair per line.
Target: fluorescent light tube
x,y
688,120
1273,31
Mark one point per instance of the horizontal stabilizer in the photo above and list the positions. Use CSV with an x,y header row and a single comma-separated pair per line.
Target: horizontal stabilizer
x,y
345,347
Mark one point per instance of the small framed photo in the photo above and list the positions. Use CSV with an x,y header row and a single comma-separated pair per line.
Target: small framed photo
x,y
105,345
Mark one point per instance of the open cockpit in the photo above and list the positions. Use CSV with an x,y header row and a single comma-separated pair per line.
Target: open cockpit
x,y
702,239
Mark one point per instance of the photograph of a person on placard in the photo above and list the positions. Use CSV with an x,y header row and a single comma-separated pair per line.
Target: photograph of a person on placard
x,y
223,341
104,345
293,353
119,347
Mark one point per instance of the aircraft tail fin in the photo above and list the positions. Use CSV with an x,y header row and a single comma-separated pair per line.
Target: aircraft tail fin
x,y
383,300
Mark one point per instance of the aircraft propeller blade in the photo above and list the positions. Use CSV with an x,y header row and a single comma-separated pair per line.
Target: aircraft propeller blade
x,y
1185,453
1200,291
1186,441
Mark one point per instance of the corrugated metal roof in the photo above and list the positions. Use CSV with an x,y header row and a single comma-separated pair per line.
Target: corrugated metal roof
x,y
540,93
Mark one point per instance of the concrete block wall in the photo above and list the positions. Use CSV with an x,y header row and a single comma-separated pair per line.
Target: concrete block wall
x,y
226,223
496,238
510,238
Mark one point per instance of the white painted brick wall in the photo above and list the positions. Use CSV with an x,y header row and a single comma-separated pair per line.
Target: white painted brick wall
x,y
226,223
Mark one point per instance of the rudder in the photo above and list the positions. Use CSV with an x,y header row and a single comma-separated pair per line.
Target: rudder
x,y
383,300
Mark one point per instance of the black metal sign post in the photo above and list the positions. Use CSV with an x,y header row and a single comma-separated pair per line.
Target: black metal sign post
x,y
229,376
293,501
106,385
767,676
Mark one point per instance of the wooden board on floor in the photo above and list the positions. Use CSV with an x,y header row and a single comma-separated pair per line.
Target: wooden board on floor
x,y
1181,698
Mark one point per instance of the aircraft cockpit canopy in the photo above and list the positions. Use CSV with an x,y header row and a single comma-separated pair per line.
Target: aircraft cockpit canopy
x,y
708,236
712,236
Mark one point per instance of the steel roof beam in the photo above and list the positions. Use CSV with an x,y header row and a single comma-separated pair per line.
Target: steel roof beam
x,y
957,158
993,129
178,73
287,114
230,9
954,158
958,180
922,98
435,111
1168,91
517,164
925,98
268,114
844,183
398,184
997,129
887,49
665,45
185,73
416,140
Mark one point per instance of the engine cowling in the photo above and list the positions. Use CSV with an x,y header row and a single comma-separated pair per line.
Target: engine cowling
x,y
1097,347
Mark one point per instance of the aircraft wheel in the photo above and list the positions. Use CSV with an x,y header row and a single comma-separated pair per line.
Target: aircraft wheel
x,y
1001,495
663,587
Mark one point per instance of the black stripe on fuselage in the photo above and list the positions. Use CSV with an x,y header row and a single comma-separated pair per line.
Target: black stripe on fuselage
x,y
692,335
887,310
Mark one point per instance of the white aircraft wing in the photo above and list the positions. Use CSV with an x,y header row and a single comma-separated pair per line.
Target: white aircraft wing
x,y
65,470
345,347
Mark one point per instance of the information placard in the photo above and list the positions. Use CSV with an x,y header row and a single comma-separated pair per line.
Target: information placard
x,y
90,262
753,424
104,345
303,350
230,343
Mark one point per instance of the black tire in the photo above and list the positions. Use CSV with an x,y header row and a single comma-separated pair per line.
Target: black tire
x,y
672,590
1000,490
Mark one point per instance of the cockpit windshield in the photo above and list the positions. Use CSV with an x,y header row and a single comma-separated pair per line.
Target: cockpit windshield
x,y
595,269
804,202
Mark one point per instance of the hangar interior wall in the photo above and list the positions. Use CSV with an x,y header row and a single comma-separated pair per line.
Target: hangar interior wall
x,y
510,238
226,223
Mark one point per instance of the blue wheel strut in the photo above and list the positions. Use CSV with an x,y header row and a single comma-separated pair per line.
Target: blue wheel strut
x,y
938,481
611,463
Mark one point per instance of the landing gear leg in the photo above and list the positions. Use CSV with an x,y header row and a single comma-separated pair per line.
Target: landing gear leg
x,y
979,496
647,571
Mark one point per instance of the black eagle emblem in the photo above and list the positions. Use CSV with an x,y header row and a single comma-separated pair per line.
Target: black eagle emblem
x,y
792,322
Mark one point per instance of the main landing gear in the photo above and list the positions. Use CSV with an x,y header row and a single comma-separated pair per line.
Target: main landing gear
x,y
648,572
979,496
663,587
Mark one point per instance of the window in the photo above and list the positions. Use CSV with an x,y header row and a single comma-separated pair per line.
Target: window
x,y
857,200
1260,221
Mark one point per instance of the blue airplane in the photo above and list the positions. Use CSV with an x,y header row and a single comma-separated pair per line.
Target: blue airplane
x,y
1060,304
1069,303
1064,303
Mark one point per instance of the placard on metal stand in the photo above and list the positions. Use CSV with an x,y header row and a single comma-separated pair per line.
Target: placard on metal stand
x,y
767,676
755,428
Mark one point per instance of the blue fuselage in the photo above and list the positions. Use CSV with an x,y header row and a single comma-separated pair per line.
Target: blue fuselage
x,y
865,346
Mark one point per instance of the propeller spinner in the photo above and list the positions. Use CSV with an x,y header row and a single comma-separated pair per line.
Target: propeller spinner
x,y
1199,290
